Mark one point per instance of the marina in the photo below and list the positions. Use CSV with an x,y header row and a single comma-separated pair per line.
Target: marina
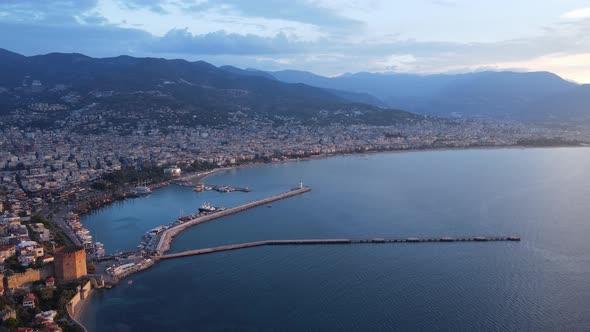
x,y
166,236
157,241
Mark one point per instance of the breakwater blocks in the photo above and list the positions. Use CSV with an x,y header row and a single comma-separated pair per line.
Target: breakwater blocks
x,y
340,241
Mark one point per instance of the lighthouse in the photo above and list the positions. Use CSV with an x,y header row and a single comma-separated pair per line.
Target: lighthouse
x,y
301,184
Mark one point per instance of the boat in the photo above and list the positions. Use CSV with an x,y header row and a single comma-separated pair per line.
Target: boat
x,y
199,187
141,190
208,208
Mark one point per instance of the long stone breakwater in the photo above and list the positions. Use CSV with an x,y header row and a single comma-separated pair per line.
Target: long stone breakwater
x,y
339,241
167,236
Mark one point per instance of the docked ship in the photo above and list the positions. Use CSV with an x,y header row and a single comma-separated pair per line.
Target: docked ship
x,y
142,190
99,251
199,187
208,208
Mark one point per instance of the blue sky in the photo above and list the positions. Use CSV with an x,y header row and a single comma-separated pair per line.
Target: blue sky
x,y
329,37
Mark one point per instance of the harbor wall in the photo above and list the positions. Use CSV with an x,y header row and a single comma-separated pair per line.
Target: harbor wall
x,y
78,301
29,276
169,234
340,241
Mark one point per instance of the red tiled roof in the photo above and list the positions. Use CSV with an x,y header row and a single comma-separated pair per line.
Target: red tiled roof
x,y
29,297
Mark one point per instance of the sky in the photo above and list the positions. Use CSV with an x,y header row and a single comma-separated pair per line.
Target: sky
x,y
327,37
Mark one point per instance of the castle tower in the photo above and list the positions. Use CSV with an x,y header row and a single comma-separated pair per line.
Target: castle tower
x,y
70,263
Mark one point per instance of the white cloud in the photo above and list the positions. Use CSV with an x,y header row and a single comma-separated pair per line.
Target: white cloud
x,y
577,14
397,63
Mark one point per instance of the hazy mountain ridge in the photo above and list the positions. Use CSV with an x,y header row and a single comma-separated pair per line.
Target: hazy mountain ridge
x,y
199,87
490,94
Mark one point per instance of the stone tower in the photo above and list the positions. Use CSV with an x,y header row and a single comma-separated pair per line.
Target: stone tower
x,y
70,263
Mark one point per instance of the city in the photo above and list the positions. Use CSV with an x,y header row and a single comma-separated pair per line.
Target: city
x,y
294,165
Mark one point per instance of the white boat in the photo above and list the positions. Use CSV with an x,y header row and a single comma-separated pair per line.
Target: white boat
x,y
142,190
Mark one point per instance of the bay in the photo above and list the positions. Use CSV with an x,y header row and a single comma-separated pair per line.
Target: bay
x,y
537,284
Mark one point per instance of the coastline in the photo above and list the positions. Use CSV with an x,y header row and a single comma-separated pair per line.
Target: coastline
x,y
203,176
200,177
79,312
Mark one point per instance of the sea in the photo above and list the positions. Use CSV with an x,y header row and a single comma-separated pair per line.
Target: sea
x,y
539,284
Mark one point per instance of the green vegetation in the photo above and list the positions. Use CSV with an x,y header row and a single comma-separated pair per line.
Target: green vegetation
x,y
13,264
10,323
131,175
198,166
55,298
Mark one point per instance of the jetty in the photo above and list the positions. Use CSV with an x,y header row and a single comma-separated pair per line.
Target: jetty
x,y
339,241
167,236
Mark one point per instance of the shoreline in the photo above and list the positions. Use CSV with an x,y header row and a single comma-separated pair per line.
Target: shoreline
x,y
202,176
368,153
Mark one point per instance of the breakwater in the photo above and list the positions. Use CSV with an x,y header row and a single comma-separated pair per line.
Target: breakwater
x,y
167,236
340,241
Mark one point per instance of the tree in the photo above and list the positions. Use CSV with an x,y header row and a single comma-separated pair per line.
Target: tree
x,y
65,297
10,323
46,293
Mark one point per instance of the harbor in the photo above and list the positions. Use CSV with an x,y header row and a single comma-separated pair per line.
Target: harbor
x,y
157,241
167,235
220,188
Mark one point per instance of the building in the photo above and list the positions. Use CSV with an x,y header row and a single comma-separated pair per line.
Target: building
x,y
174,171
29,300
50,282
36,86
70,263
7,250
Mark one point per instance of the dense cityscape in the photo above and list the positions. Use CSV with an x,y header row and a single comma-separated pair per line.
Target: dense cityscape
x,y
55,167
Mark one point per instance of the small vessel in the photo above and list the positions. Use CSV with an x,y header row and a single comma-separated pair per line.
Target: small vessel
x,y
199,187
142,190
208,208
99,250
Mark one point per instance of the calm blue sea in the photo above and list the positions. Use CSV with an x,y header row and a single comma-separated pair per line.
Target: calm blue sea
x,y
539,284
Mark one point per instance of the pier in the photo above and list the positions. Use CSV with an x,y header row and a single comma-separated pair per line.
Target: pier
x,y
167,235
340,241
227,189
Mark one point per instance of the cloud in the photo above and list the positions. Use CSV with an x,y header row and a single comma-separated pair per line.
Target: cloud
x,y
577,14
72,37
272,35
307,12
181,41
55,12
153,5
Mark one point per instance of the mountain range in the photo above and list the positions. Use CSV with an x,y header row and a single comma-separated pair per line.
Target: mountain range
x,y
212,94
206,92
538,96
